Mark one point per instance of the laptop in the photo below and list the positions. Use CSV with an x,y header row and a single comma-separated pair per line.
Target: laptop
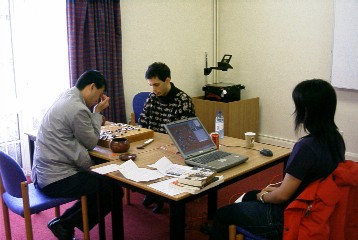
x,y
197,147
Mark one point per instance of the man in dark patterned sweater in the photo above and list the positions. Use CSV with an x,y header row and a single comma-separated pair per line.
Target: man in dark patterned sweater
x,y
165,104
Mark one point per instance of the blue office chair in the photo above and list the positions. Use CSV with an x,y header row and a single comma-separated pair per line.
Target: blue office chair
x,y
23,198
238,233
138,104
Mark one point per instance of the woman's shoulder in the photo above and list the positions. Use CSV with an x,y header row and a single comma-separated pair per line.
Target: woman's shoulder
x,y
306,141
307,146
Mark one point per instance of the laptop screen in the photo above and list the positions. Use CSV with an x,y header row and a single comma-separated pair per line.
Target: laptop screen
x,y
190,136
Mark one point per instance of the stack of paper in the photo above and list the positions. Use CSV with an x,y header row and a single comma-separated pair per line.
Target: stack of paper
x,y
131,171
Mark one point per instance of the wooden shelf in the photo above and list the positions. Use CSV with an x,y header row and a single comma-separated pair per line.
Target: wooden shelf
x,y
239,116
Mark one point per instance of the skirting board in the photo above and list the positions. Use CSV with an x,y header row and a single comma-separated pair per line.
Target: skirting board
x,y
288,143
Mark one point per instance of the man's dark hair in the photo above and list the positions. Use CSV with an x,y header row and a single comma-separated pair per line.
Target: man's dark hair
x,y
89,77
159,70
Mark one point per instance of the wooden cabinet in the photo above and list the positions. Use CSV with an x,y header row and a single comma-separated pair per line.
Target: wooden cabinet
x,y
239,116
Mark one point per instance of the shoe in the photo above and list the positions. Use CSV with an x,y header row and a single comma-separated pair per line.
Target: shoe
x,y
206,228
159,207
59,230
52,221
148,201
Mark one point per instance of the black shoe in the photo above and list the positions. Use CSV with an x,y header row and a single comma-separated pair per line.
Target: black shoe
x,y
206,228
148,200
52,221
159,207
59,230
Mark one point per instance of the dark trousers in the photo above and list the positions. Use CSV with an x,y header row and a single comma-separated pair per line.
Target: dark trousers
x,y
259,218
84,183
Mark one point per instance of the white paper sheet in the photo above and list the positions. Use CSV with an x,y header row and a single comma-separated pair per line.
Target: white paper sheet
x,y
107,169
166,167
164,186
131,171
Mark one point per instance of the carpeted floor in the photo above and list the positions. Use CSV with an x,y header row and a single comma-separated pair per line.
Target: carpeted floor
x,y
140,222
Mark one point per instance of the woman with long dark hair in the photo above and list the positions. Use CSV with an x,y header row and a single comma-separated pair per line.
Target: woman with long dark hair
x,y
314,156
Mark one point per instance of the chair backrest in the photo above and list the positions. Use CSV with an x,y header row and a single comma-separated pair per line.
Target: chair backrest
x,y
12,175
138,103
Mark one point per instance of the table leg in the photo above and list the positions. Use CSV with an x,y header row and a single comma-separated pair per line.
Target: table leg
x,y
32,149
101,222
177,220
117,212
212,204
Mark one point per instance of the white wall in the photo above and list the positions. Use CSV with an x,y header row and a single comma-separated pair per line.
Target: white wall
x,y
275,44
177,33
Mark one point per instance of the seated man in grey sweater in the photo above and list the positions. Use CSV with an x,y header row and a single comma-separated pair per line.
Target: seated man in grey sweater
x,y
61,159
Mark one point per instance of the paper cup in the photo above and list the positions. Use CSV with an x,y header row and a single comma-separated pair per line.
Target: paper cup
x,y
249,139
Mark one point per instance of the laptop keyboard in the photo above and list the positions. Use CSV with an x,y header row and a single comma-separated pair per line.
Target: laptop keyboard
x,y
210,157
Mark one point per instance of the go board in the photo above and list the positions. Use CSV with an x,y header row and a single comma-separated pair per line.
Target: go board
x,y
116,130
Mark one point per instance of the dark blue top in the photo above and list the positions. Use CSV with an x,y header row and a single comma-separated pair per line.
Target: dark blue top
x,y
310,161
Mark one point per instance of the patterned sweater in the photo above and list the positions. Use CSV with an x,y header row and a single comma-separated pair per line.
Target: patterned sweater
x,y
158,111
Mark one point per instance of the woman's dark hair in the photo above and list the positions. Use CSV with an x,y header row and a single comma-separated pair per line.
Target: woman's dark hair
x,y
89,77
315,106
159,70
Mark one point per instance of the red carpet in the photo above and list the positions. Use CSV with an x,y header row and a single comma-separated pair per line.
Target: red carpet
x,y
140,222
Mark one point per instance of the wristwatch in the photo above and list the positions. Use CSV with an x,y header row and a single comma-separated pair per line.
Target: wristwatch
x,y
261,196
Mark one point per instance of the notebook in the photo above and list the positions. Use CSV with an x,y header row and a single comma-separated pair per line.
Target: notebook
x,y
194,143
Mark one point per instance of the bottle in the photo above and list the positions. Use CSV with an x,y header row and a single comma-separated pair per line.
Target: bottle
x,y
219,124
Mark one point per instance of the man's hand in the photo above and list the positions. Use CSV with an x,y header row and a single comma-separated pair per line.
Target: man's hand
x,y
103,104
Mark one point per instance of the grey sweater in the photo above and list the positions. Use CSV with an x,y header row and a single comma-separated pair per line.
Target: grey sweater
x,y
68,130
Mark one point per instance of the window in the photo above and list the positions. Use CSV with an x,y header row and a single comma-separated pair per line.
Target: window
x,y
9,124
33,68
